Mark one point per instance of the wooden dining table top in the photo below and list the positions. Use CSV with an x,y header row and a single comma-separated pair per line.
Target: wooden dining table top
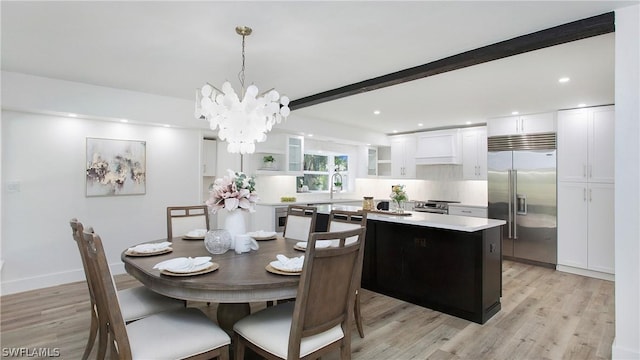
x,y
239,278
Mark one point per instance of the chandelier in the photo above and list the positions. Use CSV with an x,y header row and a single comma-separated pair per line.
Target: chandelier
x,y
241,123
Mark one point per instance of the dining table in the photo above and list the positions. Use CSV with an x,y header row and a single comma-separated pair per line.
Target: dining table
x,y
239,279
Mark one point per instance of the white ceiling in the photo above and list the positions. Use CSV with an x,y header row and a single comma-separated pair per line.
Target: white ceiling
x,y
305,47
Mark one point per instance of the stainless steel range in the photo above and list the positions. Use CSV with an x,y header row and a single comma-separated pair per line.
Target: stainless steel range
x,y
433,206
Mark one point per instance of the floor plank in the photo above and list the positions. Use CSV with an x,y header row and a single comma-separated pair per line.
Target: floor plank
x,y
545,314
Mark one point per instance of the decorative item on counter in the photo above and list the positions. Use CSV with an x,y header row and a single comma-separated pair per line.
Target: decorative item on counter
x,y
288,199
367,203
217,241
398,196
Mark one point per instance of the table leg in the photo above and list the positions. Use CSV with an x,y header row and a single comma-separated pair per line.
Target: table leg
x,y
229,314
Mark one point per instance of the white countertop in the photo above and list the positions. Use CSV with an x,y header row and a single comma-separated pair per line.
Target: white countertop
x,y
439,221
305,202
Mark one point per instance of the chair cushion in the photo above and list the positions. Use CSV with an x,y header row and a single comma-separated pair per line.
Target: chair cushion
x,y
139,302
298,227
174,335
269,329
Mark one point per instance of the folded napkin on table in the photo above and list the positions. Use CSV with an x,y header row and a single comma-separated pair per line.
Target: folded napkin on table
x,y
149,248
184,264
197,233
288,264
319,244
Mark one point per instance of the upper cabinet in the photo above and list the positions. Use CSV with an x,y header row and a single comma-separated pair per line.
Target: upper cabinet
x,y
295,154
474,153
367,162
438,147
523,124
209,152
403,152
586,144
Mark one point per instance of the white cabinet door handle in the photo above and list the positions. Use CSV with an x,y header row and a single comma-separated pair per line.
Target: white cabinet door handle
x,y
584,194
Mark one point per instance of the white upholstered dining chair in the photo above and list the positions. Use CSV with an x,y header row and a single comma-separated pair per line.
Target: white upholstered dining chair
x,y
135,303
186,333
341,220
182,219
301,221
319,321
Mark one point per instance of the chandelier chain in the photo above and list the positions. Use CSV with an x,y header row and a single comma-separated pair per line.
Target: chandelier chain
x,y
241,73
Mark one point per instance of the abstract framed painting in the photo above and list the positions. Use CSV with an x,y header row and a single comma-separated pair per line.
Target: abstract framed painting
x,y
116,167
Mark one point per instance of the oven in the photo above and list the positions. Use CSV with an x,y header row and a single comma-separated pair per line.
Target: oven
x,y
433,206
281,219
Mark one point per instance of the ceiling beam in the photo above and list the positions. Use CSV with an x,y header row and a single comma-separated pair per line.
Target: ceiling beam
x,y
581,29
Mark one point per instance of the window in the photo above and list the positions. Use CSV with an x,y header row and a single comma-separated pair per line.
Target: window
x,y
320,169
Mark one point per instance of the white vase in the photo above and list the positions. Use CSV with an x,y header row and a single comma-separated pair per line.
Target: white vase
x,y
234,223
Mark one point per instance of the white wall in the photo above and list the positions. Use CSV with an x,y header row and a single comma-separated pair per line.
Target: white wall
x,y
45,156
627,192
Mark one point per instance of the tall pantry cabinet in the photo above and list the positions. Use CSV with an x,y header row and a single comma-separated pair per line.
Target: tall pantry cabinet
x,y
586,191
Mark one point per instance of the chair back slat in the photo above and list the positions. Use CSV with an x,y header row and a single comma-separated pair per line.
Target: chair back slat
x,y
342,220
327,284
301,221
106,295
182,219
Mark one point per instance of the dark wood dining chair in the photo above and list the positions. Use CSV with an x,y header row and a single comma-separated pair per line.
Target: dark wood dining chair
x,y
319,321
182,219
136,302
301,221
186,333
341,220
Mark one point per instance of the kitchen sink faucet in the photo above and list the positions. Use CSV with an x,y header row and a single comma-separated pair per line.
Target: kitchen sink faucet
x,y
335,178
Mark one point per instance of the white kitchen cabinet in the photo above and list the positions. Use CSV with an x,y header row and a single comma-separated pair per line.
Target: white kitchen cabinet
x,y
465,210
295,154
372,162
586,144
586,226
403,152
474,153
384,161
209,152
438,147
367,164
522,124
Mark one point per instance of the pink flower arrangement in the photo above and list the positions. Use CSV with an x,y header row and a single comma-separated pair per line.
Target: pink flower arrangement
x,y
235,191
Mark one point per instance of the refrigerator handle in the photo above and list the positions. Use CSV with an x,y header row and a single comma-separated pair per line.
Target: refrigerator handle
x,y
514,201
509,192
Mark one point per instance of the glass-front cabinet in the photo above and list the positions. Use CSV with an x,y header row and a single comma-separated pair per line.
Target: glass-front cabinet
x,y
295,153
372,162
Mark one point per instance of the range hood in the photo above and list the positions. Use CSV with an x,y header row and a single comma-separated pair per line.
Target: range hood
x,y
439,147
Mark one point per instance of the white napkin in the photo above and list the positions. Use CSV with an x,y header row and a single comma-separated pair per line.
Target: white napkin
x,y
197,233
184,264
262,234
149,248
288,264
319,244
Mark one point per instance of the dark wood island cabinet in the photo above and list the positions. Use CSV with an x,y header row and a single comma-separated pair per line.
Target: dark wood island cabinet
x,y
446,263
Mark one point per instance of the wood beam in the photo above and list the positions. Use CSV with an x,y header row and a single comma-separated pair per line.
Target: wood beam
x,y
581,29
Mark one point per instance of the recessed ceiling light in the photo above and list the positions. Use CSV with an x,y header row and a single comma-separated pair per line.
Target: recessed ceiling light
x,y
310,135
420,124
582,105
514,113
468,123
73,115
166,125
395,131
124,120
376,112
563,80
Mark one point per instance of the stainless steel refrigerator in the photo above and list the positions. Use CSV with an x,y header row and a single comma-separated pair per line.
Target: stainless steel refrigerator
x,y
522,191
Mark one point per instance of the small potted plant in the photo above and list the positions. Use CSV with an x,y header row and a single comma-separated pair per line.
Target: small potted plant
x,y
268,161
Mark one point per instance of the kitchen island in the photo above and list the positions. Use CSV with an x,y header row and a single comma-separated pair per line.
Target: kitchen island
x,y
447,263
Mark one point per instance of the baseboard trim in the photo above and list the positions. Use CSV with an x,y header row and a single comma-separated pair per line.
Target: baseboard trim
x,y
623,353
48,280
585,272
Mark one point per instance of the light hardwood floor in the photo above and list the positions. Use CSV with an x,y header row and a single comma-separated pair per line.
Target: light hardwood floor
x,y
545,314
